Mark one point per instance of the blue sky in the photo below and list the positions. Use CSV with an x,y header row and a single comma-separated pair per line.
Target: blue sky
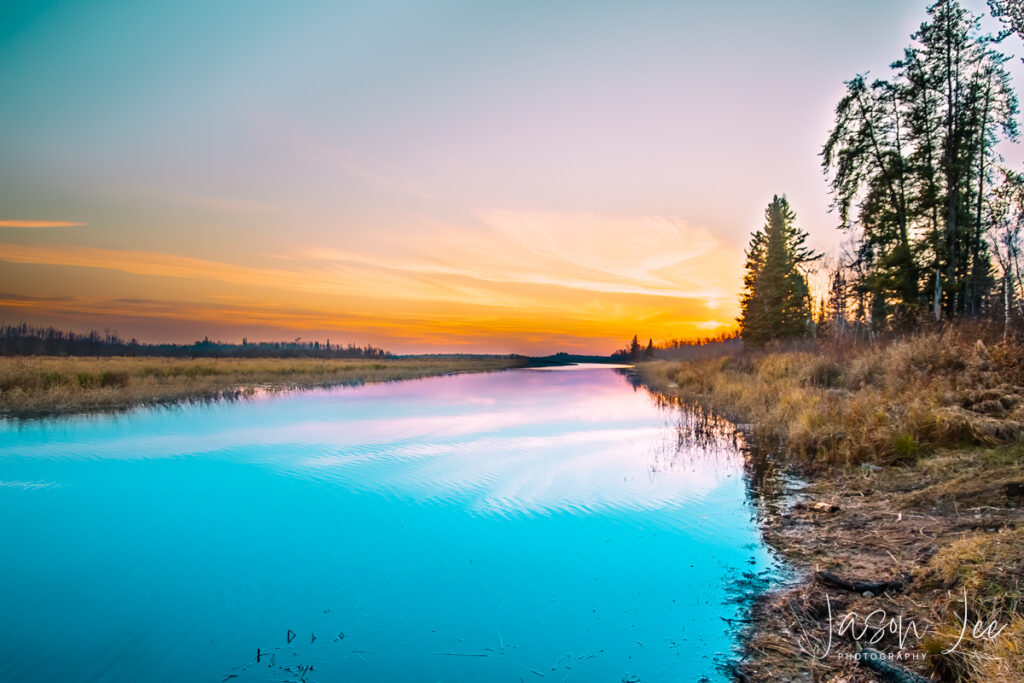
x,y
442,175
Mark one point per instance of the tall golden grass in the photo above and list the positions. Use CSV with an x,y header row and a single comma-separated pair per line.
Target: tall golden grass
x,y
883,402
37,385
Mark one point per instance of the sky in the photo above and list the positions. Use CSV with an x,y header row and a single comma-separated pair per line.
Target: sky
x,y
493,177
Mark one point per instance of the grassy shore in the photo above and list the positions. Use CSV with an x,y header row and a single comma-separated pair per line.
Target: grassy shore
x,y
43,385
913,456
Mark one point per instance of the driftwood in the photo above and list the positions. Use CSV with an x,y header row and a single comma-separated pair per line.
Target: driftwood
x,y
873,587
817,506
881,664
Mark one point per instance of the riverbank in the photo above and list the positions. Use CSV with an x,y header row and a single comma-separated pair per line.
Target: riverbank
x,y
912,454
48,385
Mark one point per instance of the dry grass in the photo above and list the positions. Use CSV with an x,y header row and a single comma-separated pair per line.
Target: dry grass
x,y
990,566
40,385
880,403
1002,660
989,569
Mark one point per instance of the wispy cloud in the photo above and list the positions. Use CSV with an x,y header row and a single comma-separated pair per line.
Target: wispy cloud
x,y
331,279
645,255
14,223
532,280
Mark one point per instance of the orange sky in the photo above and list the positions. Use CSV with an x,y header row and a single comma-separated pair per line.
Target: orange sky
x,y
515,282
450,176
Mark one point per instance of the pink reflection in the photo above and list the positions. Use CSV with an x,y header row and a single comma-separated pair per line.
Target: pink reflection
x,y
518,441
535,442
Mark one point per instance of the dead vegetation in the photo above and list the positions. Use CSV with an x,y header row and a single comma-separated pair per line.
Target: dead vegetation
x,y
42,385
913,455
898,526
846,404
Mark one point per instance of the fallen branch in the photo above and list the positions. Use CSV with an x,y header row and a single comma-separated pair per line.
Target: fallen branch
x,y
880,663
873,587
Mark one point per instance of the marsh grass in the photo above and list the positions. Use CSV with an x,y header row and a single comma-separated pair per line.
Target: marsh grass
x,y
848,404
989,567
41,385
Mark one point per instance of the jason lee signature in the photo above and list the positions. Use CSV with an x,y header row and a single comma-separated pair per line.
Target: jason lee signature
x,y
876,625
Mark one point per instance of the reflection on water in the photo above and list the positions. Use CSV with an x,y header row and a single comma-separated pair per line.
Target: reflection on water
x,y
479,527
767,482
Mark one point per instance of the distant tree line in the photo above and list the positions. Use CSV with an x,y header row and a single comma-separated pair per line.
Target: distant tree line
x,y
21,339
679,349
635,351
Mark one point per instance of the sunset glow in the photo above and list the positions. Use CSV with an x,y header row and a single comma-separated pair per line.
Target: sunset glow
x,y
545,280
521,178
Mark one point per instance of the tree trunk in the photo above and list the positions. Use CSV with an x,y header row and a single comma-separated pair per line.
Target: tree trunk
x,y
976,255
1006,306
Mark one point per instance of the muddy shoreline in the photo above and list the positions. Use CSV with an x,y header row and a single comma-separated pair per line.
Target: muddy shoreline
x,y
885,525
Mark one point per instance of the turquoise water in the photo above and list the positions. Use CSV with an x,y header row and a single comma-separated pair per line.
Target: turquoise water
x,y
536,525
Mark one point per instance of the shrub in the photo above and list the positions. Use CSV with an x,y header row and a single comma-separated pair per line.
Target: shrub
x,y
52,379
114,378
905,445
824,373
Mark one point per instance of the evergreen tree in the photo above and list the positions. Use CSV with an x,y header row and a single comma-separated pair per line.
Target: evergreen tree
x,y
910,162
634,348
1010,12
775,303
1005,217
866,152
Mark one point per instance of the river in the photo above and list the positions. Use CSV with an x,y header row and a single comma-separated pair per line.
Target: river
x,y
530,524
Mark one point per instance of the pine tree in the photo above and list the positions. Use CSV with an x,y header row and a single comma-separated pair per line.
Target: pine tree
x,y
911,163
866,154
775,303
1010,12
1005,218
634,348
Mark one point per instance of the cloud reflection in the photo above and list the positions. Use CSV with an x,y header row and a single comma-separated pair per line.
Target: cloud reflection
x,y
509,442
